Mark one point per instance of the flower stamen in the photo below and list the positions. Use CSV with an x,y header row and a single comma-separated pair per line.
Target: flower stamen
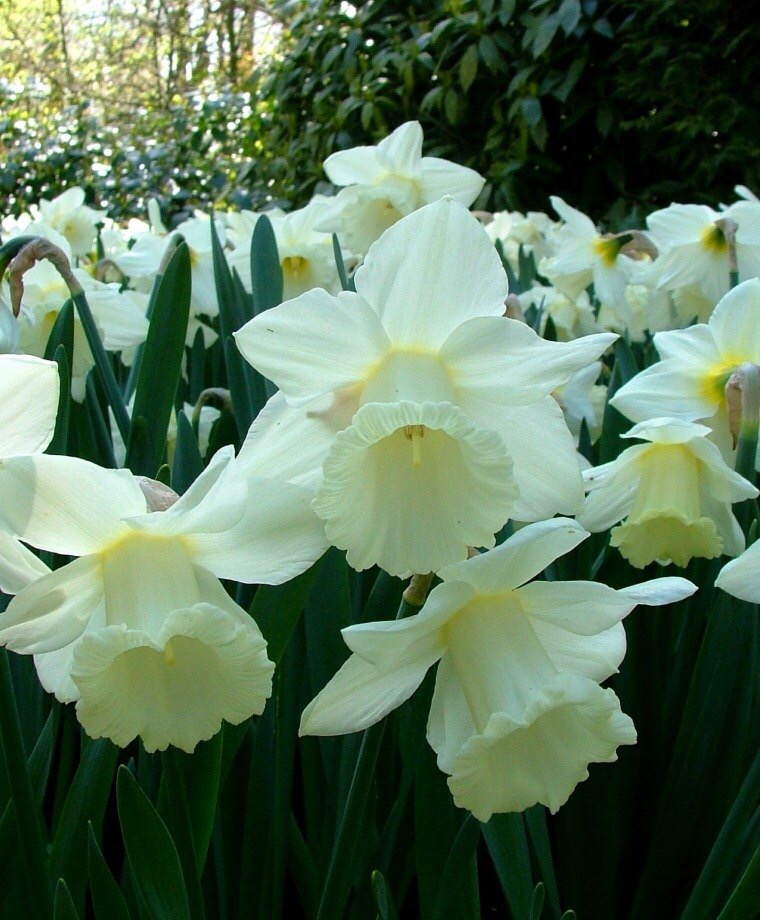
x,y
415,434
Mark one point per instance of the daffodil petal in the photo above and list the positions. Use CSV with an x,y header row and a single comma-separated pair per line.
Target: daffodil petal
x,y
431,272
315,343
175,687
54,610
360,695
541,757
19,566
28,404
64,504
413,506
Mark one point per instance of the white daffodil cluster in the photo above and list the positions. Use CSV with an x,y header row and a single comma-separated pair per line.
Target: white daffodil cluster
x,y
416,415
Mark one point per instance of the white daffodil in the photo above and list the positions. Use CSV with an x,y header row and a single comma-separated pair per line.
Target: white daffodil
x,y
29,390
694,249
649,310
584,256
73,219
421,415
142,262
517,712
674,496
388,181
741,577
306,255
571,318
529,231
689,382
139,630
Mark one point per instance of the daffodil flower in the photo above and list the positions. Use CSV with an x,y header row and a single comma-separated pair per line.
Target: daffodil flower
x,y
694,248
517,712
689,382
72,218
142,262
673,495
419,413
139,630
306,255
586,256
387,182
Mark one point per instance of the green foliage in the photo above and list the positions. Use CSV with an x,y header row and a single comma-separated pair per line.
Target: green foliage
x,y
186,155
586,100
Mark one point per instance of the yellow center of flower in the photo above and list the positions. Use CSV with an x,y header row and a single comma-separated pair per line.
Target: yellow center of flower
x,y
607,248
415,434
294,266
408,373
713,239
713,385
137,591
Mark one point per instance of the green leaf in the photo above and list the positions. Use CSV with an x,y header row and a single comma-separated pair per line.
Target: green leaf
x,y
537,902
468,67
39,770
161,366
725,859
569,15
531,110
385,907
340,264
10,249
151,852
107,900
31,839
63,906
85,804
437,823
451,106
278,608
546,32
62,334
102,363
490,54
508,847
188,463
240,376
266,271
200,775
742,905
459,864
174,808
60,437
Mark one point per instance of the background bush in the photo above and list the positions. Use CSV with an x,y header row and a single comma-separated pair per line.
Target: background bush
x,y
616,106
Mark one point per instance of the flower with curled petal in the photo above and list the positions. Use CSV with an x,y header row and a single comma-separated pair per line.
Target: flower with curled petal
x,y
517,711
138,630
387,182
673,495
419,413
